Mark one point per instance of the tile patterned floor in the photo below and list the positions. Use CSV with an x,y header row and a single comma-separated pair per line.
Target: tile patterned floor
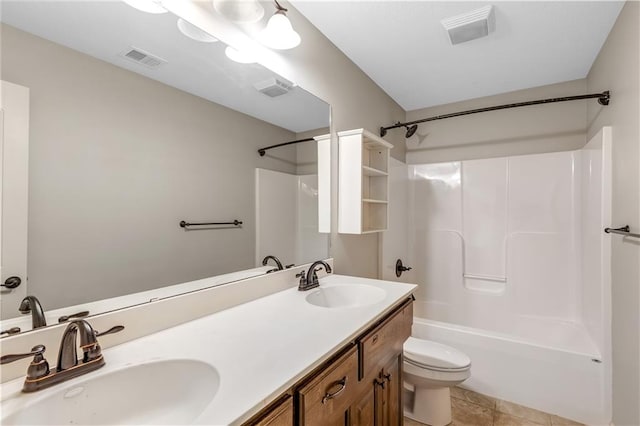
x,y
473,409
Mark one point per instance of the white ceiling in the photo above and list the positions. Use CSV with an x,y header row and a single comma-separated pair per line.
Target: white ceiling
x,y
105,29
403,47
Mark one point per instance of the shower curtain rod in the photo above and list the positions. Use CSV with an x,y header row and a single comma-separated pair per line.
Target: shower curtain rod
x,y
603,99
262,151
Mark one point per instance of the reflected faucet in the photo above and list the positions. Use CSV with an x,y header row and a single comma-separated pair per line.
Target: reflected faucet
x,y
310,279
275,259
31,304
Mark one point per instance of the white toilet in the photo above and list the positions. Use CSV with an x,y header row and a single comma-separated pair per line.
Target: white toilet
x,y
430,370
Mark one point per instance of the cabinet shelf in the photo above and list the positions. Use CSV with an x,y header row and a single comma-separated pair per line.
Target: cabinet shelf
x,y
370,171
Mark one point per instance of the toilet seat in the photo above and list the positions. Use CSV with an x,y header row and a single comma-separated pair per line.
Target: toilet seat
x,y
434,356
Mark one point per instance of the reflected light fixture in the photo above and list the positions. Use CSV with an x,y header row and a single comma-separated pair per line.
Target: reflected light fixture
x,y
149,6
194,32
239,56
279,34
240,11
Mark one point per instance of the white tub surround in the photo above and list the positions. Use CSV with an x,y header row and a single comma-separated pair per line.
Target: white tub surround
x,y
260,348
513,268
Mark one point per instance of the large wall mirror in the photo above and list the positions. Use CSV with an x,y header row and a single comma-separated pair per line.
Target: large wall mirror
x,y
134,127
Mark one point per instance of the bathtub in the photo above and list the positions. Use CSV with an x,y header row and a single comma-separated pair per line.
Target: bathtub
x,y
560,373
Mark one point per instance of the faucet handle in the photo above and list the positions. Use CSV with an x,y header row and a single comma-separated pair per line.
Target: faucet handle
x,y
38,368
114,329
72,316
10,331
303,279
35,351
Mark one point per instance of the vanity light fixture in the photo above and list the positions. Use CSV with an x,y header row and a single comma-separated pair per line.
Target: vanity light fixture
x,y
149,6
239,11
240,56
194,32
279,34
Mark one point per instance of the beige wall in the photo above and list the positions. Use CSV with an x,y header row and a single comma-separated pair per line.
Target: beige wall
x,y
356,102
116,161
617,69
307,152
517,131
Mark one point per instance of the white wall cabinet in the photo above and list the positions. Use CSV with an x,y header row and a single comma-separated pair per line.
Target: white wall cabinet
x,y
363,179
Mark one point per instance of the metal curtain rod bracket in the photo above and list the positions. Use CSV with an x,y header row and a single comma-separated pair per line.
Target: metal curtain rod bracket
x,y
624,230
184,224
603,99
262,151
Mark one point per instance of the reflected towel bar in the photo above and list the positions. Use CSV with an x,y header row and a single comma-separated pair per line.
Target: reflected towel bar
x,y
184,224
625,230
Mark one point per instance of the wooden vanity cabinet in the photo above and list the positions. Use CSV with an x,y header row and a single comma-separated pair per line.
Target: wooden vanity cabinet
x,y
360,386
280,413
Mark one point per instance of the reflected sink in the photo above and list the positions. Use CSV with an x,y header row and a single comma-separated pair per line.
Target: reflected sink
x,y
160,392
346,296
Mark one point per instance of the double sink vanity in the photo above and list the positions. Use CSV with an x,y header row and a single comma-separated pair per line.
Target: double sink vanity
x,y
329,355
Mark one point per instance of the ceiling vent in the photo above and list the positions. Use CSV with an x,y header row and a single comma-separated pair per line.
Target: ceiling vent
x,y
471,25
141,57
273,86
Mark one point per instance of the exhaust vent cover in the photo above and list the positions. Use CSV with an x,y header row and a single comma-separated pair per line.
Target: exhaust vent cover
x,y
141,57
471,25
273,87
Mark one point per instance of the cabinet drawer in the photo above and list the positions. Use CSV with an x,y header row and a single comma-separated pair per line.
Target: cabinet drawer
x,y
325,400
385,341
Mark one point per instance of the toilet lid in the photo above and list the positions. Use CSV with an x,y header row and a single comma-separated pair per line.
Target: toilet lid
x,y
432,354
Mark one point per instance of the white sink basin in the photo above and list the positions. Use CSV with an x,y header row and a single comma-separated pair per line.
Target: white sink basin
x,y
346,296
160,392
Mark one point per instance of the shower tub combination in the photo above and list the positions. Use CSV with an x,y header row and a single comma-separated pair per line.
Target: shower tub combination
x,y
513,269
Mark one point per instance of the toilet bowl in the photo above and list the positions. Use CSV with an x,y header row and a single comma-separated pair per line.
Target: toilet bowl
x,y
430,370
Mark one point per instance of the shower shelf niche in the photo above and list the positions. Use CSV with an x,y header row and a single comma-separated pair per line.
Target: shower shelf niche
x,y
363,182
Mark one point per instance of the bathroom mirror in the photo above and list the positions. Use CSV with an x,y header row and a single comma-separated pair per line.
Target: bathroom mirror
x,y
135,127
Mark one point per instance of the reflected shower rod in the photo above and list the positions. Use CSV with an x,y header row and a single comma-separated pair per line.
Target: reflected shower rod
x,y
262,151
603,99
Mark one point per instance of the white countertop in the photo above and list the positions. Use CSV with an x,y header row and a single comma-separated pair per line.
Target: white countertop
x,y
260,349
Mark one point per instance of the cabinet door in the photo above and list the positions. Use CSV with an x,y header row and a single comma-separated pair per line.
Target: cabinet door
x,y
362,412
392,408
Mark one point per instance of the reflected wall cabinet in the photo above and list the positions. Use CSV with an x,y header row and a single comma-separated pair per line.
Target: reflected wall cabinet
x,y
363,182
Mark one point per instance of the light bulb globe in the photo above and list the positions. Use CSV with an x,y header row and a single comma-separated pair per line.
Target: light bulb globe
x,y
239,56
279,34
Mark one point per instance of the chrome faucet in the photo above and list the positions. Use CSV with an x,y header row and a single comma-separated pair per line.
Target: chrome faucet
x,y
69,366
309,279
31,304
275,259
